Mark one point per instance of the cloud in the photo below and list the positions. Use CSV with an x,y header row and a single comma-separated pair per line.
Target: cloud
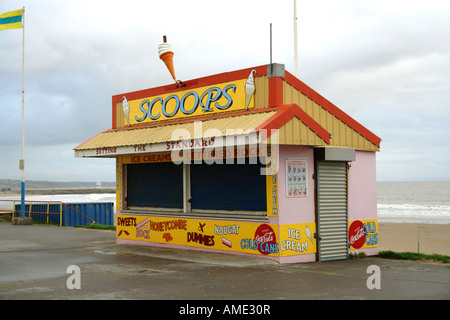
x,y
383,62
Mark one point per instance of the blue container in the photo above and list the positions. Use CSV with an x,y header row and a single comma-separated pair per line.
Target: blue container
x,y
73,214
102,213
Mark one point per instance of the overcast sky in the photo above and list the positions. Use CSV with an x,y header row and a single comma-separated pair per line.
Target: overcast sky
x,y
385,63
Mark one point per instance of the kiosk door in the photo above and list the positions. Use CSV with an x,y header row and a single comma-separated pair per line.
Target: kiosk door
x,y
332,210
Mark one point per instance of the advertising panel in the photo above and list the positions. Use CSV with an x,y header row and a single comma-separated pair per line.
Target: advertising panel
x,y
237,236
223,97
272,194
119,183
195,156
296,178
248,237
297,239
363,234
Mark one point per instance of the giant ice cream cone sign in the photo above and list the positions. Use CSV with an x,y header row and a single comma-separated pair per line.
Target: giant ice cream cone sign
x,y
249,88
166,55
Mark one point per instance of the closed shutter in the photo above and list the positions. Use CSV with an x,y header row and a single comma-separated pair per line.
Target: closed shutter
x,y
231,187
332,210
155,185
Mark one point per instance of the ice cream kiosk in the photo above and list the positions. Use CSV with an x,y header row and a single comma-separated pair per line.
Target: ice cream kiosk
x,y
250,162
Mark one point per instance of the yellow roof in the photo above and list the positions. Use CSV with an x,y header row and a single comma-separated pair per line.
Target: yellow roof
x,y
210,127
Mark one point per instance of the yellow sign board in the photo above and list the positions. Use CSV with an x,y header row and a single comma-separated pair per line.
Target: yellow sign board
x,y
297,239
255,238
119,183
363,234
237,236
203,101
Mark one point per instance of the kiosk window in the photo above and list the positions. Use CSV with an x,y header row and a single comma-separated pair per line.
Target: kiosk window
x,y
231,187
156,185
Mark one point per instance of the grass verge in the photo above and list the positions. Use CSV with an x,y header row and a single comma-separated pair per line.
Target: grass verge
x,y
413,256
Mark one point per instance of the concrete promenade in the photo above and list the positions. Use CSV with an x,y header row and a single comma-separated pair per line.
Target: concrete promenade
x,y
34,261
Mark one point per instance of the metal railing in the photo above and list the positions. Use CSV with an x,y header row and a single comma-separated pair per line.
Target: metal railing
x,y
52,211
12,208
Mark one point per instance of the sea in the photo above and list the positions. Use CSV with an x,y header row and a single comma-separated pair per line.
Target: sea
x,y
407,202
414,202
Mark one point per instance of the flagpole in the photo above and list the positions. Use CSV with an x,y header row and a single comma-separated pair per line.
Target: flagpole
x,y
295,40
22,161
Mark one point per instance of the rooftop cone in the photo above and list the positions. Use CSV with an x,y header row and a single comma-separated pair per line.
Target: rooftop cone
x,y
166,55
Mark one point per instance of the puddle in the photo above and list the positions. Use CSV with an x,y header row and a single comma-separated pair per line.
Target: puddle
x,y
105,252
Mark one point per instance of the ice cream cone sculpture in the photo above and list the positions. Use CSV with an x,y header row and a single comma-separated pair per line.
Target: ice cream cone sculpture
x,y
126,110
166,55
249,89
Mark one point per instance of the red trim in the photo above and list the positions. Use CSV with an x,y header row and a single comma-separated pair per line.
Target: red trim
x,y
113,114
341,115
192,84
286,113
275,91
91,138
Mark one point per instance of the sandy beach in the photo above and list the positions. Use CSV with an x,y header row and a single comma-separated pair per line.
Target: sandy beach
x,y
427,238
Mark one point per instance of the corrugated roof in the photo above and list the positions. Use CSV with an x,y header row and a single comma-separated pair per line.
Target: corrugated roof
x,y
231,125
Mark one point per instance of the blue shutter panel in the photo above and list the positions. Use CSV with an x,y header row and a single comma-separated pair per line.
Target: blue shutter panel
x,y
234,187
157,185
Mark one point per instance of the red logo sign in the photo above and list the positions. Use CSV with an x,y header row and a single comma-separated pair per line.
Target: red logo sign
x,y
265,236
356,234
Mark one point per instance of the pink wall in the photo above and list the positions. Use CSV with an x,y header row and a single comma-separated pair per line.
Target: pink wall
x,y
362,187
362,193
296,210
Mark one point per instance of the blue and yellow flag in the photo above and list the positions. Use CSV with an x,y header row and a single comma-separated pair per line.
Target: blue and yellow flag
x,y
11,20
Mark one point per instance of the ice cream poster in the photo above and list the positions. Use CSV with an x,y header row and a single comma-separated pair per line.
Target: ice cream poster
x,y
298,239
296,178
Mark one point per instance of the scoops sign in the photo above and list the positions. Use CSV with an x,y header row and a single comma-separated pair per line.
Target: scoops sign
x,y
228,96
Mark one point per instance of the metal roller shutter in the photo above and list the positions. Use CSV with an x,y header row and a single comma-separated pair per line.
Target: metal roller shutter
x,y
332,210
233,187
157,185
